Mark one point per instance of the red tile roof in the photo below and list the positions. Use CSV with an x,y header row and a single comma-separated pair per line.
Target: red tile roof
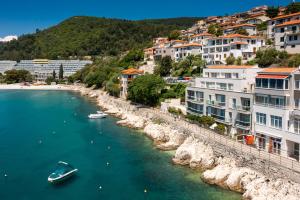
x,y
293,22
132,71
189,45
286,16
273,76
279,70
201,34
231,67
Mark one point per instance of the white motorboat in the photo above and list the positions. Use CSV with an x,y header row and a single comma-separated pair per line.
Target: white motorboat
x,y
99,115
62,172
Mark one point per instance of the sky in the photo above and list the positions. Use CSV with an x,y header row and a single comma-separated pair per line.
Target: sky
x,y
25,16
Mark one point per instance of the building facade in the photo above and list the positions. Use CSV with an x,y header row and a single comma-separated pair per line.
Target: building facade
x,y
218,49
275,111
225,93
127,77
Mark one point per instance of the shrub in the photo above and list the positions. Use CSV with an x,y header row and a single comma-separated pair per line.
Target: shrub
x,y
220,128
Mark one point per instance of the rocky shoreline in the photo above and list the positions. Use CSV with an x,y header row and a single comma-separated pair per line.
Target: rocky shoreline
x,y
197,154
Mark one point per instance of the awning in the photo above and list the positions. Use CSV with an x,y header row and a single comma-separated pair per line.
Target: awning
x,y
272,76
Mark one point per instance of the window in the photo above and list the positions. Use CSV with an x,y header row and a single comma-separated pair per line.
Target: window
x,y
227,75
214,75
272,83
293,46
281,47
286,84
276,121
258,82
282,39
261,118
230,86
297,126
265,83
282,30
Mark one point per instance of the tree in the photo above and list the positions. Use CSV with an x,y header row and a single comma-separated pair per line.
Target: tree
x,y
294,61
113,85
146,89
272,11
164,67
191,65
239,60
230,60
293,8
61,72
49,80
17,76
265,58
241,31
54,74
215,29
174,35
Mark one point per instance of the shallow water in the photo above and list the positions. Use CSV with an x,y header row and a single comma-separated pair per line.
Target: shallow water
x,y
40,128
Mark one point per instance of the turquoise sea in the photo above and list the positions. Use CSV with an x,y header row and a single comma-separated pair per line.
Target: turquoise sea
x,y
40,128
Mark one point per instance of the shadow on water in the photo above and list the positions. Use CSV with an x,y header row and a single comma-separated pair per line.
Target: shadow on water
x,y
65,183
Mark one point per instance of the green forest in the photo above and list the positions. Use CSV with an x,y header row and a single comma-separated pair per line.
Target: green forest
x,y
90,36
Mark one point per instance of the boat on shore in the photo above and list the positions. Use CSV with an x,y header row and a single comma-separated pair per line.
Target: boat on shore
x,y
62,172
98,115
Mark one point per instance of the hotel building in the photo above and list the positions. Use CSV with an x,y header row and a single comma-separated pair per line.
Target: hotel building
x,y
43,68
219,48
225,93
276,115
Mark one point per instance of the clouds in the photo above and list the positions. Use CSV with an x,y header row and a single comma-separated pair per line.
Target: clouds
x,y
8,38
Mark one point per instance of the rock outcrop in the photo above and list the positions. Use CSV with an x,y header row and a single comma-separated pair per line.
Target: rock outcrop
x,y
195,153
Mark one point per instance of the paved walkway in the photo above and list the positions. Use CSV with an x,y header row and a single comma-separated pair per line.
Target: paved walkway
x,y
202,133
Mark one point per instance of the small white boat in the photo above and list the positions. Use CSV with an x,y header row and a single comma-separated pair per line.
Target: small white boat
x,y
99,115
62,172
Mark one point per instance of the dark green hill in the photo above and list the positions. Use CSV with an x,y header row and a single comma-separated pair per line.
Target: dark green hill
x,y
81,36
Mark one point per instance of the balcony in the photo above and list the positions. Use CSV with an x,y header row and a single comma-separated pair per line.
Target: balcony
x,y
195,99
194,111
241,108
221,119
284,107
216,103
243,124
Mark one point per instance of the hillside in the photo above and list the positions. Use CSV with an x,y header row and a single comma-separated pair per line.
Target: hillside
x,y
81,36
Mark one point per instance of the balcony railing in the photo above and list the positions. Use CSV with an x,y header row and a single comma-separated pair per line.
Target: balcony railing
x,y
241,108
193,110
221,119
196,99
216,103
272,105
243,124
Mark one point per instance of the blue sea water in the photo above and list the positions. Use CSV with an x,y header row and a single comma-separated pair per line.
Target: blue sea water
x,y
40,128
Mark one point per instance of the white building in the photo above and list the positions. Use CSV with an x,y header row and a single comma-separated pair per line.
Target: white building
x,y
6,65
276,113
280,20
43,68
287,36
225,93
250,28
127,76
182,51
220,48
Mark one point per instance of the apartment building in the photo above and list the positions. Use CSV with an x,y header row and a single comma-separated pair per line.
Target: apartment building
x,y
276,115
219,48
167,49
287,36
184,50
280,20
43,68
127,76
250,28
6,65
201,38
225,93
